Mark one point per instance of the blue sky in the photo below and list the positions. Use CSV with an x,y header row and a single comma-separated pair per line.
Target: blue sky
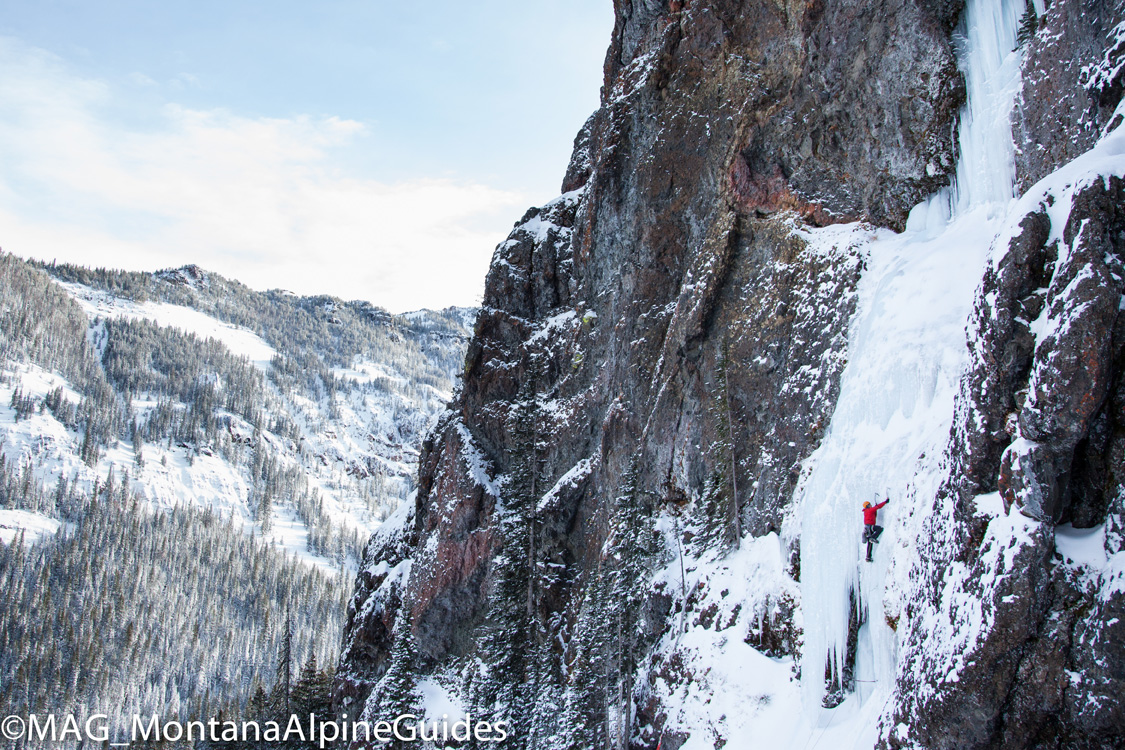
x,y
371,150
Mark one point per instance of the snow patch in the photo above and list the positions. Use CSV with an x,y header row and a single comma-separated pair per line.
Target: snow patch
x,y
438,703
475,462
240,341
1082,547
33,525
573,476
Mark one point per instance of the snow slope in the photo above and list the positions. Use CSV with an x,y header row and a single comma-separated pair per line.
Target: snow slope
x,y
356,449
239,341
33,525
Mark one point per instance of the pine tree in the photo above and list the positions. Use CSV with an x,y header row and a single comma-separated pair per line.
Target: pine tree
x,y
634,558
138,447
514,637
258,707
264,512
608,642
396,692
89,452
1029,25
283,686
584,721
311,695
727,443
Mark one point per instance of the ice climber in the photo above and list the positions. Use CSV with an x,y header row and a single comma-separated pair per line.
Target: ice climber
x,y
871,530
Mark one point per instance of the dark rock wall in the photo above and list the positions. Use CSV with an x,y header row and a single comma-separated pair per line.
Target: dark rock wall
x,y
1057,117
673,248
1042,422
667,308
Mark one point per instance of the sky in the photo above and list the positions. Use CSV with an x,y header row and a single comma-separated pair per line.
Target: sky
x,y
367,149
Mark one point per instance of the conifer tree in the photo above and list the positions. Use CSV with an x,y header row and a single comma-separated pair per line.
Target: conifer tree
x,y
258,706
311,695
283,686
396,692
727,443
608,642
138,447
513,637
1029,25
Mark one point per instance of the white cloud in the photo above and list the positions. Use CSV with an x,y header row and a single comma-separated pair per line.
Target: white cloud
x,y
271,202
141,79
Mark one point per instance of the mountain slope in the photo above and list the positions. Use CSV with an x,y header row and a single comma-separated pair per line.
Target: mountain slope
x,y
216,379
199,463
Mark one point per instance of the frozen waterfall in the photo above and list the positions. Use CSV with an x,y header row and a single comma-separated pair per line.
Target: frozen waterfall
x,y
905,355
985,40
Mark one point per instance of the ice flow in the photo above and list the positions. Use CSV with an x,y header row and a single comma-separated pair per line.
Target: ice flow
x,y
905,354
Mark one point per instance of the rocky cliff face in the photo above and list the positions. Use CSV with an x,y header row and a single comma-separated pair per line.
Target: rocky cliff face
x,y
659,354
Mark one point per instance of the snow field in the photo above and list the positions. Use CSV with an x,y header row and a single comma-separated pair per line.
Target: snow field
x,y
239,341
731,690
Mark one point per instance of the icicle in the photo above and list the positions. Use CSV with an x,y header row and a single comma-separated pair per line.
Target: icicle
x,y
986,45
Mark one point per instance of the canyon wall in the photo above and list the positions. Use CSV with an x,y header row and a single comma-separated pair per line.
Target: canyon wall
x,y
659,355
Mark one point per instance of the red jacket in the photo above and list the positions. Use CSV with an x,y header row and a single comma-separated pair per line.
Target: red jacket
x,y
869,514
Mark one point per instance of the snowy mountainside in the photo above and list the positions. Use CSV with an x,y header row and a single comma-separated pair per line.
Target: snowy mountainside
x,y
179,439
347,432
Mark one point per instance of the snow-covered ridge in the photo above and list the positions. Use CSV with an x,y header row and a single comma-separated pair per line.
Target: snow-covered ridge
x,y
239,341
346,449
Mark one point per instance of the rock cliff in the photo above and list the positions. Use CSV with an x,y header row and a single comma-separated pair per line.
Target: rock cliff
x,y
660,354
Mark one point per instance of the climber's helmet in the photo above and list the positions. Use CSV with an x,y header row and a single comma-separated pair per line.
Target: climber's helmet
x,y
866,504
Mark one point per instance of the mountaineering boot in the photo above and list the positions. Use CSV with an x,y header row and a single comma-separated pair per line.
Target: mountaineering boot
x,y
869,548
